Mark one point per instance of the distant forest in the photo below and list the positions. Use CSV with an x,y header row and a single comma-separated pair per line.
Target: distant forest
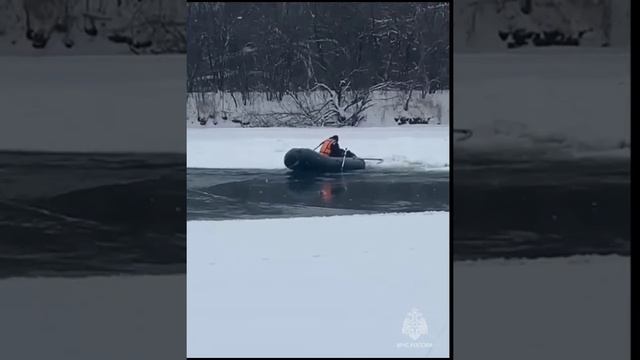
x,y
277,48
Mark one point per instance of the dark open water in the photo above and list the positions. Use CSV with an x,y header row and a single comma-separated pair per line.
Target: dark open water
x,y
220,194
502,208
90,214
528,209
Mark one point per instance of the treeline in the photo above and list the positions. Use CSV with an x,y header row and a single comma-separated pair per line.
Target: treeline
x,y
146,27
277,48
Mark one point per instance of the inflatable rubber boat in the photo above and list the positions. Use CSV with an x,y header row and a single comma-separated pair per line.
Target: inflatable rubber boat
x,y
298,159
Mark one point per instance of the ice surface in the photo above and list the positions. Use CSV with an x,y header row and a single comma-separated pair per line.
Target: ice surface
x,y
563,308
102,318
93,103
261,287
556,102
582,311
324,286
421,147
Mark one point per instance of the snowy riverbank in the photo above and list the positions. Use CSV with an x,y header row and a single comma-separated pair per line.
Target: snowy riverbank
x,y
422,147
221,109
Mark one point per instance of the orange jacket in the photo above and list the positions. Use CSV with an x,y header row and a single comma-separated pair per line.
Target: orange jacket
x,y
326,146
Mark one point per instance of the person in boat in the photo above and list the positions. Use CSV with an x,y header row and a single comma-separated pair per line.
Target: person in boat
x,y
330,147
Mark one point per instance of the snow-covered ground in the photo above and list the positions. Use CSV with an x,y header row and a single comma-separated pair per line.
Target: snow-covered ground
x,y
137,317
93,103
582,311
262,288
324,286
423,147
553,102
386,107
564,308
